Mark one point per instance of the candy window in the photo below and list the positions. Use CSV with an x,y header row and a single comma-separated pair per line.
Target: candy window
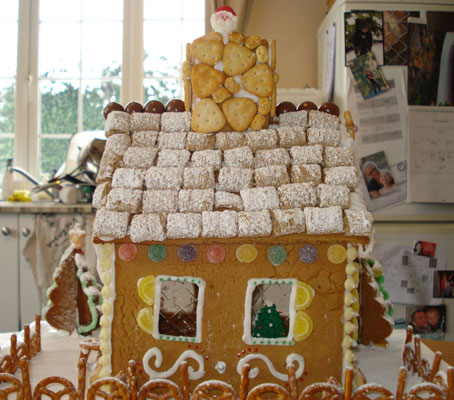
x,y
178,313
270,311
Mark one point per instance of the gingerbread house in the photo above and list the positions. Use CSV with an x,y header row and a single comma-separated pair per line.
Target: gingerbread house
x,y
232,244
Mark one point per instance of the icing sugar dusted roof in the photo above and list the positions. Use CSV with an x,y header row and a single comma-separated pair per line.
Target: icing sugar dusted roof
x,y
158,180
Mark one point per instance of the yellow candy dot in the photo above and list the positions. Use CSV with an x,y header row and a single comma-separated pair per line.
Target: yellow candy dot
x,y
104,334
349,356
304,296
347,342
106,292
303,326
107,278
107,308
349,299
104,361
356,277
352,253
145,287
246,253
355,306
337,253
104,348
355,293
104,321
145,319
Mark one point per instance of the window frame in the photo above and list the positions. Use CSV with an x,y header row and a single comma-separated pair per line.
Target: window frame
x,y
199,310
289,340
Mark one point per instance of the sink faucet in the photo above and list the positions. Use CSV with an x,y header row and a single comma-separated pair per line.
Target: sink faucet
x,y
10,168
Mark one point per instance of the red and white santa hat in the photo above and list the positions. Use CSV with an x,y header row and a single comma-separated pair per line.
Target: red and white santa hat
x,y
227,9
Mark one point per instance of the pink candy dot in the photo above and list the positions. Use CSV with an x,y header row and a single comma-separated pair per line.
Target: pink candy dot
x,y
215,254
127,252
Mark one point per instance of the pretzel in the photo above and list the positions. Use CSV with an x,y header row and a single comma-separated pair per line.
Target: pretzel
x,y
41,389
363,392
431,391
202,391
327,391
118,390
171,390
267,389
25,372
409,359
81,374
244,386
435,366
91,344
16,386
7,364
132,378
184,380
292,381
401,383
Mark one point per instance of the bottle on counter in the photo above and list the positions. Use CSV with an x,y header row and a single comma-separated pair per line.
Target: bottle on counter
x,y
8,180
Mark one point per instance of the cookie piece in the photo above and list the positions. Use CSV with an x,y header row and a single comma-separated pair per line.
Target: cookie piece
x,y
294,118
227,201
198,178
176,121
338,156
258,122
236,37
147,227
239,112
164,178
264,106
358,222
184,226
100,194
240,157
323,221
207,158
208,48
258,80
144,139
173,158
144,122
196,141
232,85
230,140
110,224
172,140
262,140
117,122
254,223
347,176
307,154
237,59
297,195
273,175
306,173
125,200
266,158
261,53
333,195
207,117
235,179
256,199
290,136
220,95
323,136
128,178
318,119
287,222
195,200
219,224
253,41
160,201
140,157
205,80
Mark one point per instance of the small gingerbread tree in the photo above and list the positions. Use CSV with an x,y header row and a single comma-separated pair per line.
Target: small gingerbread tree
x,y
269,323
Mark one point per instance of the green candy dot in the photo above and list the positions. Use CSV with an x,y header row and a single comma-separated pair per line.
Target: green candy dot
x,y
277,255
157,252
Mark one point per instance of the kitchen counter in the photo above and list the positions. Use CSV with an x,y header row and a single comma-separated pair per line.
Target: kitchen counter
x,y
45,207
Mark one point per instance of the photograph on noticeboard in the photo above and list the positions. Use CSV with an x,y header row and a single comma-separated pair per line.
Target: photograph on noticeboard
x,y
443,284
429,322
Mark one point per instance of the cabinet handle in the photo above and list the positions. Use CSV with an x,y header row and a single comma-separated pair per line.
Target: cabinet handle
x,y
26,232
6,231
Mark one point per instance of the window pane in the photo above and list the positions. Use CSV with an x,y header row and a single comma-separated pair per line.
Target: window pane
x,y
10,10
192,29
194,10
59,105
162,90
102,10
101,56
7,99
96,94
158,9
53,154
59,50
9,49
59,10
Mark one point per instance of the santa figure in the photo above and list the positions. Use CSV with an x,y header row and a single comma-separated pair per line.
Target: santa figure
x,y
224,20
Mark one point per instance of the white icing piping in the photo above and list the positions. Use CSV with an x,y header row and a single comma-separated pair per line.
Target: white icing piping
x,y
155,352
253,372
221,367
365,252
105,266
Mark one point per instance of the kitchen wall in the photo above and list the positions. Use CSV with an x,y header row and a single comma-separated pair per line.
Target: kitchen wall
x,y
293,23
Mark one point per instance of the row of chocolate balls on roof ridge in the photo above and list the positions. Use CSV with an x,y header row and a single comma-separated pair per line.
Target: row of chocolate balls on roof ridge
x,y
176,105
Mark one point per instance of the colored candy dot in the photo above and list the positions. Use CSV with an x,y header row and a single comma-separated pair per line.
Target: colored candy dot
x,y
337,253
277,255
127,252
246,253
308,254
157,252
215,254
187,253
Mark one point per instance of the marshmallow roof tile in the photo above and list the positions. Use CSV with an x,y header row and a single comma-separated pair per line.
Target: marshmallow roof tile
x,y
192,185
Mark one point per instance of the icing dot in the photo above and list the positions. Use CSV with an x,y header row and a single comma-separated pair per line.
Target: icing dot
x,y
308,254
187,253
337,253
127,252
157,252
215,254
246,253
277,255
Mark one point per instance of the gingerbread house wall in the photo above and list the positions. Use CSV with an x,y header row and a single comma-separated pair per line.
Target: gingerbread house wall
x,y
224,309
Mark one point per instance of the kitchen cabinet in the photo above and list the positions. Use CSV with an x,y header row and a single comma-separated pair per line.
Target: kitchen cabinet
x,y
19,299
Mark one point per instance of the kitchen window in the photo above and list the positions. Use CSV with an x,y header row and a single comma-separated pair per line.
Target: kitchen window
x,y
66,59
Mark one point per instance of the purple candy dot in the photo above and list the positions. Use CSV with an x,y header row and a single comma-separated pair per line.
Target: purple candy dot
x,y
308,254
187,253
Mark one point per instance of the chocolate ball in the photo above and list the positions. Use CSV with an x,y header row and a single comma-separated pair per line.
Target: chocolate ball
x,y
133,107
307,105
175,105
329,108
285,107
154,107
112,106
